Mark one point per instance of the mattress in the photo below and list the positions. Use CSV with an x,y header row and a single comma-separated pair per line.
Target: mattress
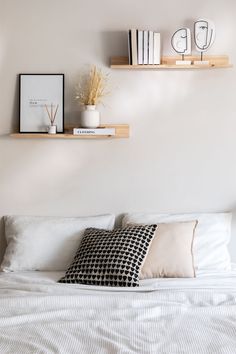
x,y
38,315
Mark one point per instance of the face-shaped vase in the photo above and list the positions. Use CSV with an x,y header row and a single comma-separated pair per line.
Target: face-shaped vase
x,y
181,41
204,34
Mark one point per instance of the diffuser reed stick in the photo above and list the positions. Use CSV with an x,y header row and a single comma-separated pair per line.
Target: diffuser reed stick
x,y
52,114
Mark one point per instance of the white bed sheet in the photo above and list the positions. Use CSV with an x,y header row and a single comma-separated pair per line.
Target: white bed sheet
x,y
38,315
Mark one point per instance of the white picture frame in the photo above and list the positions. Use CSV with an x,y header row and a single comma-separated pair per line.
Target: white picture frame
x,y
36,91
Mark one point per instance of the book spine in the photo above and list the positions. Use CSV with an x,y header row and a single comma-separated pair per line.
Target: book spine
x,y
129,47
150,47
134,47
100,131
157,49
145,47
140,47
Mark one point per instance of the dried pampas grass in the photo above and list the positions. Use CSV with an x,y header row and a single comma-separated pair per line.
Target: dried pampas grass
x,y
92,89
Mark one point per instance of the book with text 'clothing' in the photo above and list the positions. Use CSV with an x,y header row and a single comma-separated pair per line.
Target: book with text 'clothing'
x,y
97,131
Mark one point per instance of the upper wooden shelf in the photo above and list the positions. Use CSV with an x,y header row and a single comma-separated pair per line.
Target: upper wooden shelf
x,y
121,131
221,61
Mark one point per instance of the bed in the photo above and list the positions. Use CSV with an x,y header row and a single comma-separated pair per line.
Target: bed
x,y
38,315
172,315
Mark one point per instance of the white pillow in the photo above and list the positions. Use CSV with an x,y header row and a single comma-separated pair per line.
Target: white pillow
x,y
46,243
212,236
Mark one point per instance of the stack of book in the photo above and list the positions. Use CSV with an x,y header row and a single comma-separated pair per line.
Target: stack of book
x,y
97,131
144,47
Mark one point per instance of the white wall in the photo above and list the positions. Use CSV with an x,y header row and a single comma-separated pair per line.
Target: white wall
x,y
181,153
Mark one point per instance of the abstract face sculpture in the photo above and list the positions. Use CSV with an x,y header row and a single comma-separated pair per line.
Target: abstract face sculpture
x,y
181,41
204,34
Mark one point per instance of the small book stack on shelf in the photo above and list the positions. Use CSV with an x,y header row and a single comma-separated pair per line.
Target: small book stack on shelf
x,y
144,47
97,131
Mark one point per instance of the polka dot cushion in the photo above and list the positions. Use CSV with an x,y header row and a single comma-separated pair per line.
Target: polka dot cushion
x,y
110,258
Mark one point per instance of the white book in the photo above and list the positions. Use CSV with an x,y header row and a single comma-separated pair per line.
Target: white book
x,y
150,47
140,47
157,49
98,131
145,47
134,46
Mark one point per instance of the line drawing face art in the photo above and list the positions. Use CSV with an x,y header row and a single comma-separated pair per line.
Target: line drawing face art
x,y
204,35
181,41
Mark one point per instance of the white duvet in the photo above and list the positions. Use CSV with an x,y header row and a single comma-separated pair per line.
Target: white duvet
x,y
172,316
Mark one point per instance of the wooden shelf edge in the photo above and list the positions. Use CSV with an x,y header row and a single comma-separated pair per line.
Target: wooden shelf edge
x,y
176,67
62,136
167,62
122,131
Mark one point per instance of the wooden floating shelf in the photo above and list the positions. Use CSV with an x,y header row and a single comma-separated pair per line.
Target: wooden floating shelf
x,y
121,131
215,62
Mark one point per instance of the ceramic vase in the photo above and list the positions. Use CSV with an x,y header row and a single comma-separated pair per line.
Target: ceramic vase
x,y
90,117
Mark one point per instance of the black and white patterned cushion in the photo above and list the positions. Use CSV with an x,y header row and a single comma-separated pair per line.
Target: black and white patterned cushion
x,y
110,258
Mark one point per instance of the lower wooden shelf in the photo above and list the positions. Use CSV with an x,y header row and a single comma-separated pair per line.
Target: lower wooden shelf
x,y
121,131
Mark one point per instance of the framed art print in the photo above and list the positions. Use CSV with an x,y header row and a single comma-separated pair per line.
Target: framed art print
x,y
38,94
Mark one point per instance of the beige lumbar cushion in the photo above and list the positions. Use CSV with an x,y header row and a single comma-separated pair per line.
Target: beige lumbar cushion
x,y
170,254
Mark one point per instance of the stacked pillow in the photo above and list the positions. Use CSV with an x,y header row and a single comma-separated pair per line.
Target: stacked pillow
x,y
148,245
211,238
111,258
46,243
171,252
123,256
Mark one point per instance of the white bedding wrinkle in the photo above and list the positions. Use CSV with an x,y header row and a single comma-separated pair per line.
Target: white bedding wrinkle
x,y
38,315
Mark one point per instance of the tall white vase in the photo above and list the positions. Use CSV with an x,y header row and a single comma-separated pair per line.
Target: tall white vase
x,y
90,117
